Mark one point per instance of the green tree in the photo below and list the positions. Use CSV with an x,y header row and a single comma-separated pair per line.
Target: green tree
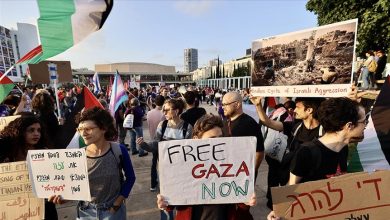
x,y
373,19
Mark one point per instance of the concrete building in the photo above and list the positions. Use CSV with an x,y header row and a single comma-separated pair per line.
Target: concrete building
x,y
190,60
143,73
14,45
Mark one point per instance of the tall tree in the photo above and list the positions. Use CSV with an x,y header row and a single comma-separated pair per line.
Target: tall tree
x,y
373,18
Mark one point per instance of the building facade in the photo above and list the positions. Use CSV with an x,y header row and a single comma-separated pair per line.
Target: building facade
x,y
14,45
190,60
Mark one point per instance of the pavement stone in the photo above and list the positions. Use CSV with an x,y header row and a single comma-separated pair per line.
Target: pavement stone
x,y
141,204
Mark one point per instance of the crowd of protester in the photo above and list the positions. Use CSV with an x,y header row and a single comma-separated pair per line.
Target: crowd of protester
x,y
323,126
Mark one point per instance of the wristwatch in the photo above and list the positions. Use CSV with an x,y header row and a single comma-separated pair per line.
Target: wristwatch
x,y
115,207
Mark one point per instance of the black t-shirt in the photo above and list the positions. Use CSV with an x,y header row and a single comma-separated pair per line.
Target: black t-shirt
x,y
303,134
245,125
204,212
192,115
320,163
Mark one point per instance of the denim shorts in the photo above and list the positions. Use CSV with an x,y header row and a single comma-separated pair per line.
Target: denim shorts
x,y
90,211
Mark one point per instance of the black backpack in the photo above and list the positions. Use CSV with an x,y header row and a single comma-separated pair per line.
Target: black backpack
x,y
284,171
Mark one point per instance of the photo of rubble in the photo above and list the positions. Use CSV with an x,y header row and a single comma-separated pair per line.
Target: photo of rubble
x,y
322,55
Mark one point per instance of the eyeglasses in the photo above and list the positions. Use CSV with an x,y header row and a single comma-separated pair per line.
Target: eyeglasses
x,y
365,121
226,104
86,130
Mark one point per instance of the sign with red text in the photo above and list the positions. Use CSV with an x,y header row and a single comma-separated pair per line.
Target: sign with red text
x,y
207,171
16,198
350,196
315,62
59,172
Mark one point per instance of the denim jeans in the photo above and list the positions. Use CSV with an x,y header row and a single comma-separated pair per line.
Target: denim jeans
x,y
368,79
135,133
153,171
92,213
121,133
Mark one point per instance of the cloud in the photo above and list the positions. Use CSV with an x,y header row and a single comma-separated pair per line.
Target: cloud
x,y
194,8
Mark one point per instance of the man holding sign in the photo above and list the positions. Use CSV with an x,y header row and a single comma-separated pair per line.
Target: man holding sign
x,y
210,179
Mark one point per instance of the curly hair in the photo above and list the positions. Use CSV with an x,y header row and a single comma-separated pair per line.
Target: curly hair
x,y
103,120
42,103
334,113
176,104
206,123
14,134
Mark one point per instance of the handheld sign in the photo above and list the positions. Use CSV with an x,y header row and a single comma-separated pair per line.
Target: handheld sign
x,y
350,196
207,171
128,122
59,172
16,198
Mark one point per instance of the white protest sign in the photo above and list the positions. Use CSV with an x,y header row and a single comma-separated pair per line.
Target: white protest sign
x,y
207,171
128,122
16,194
59,172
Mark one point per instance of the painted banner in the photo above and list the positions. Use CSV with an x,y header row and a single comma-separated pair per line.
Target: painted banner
x,y
207,171
16,198
350,197
4,121
59,172
315,62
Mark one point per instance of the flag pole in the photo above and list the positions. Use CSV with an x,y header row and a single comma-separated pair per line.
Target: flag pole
x,y
53,78
6,72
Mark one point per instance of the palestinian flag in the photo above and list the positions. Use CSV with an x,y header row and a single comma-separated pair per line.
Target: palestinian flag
x,y
68,137
64,23
373,153
6,85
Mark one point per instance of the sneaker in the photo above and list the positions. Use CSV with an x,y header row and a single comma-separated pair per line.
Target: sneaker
x,y
153,189
143,154
135,152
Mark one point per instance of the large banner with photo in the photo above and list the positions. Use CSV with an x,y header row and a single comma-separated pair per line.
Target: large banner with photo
x,y
315,62
207,171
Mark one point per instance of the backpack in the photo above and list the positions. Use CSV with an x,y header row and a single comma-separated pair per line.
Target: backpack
x,y
284,171
117,150
164,127
372,66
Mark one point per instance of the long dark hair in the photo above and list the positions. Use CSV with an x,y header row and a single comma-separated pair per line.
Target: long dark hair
x,y
14,135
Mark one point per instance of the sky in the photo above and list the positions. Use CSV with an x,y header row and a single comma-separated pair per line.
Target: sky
x,y
159,31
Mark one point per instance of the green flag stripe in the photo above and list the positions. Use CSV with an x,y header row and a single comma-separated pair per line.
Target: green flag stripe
x,y
4,90
354,164
55,26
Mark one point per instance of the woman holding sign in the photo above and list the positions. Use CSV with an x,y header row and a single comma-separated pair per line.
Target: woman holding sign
x,y
208,126
106,162
24,133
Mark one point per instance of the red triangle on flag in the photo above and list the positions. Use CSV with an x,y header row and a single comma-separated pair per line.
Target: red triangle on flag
x,y
5,80
90,100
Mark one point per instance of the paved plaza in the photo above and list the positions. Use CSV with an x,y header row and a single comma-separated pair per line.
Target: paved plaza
x,y
141,204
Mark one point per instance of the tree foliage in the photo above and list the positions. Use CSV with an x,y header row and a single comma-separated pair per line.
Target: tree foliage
x,y
373,19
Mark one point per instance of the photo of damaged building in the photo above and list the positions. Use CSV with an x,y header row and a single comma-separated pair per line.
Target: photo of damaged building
x,y
318,56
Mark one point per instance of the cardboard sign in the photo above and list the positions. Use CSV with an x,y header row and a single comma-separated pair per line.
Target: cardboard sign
x,y
315,62
207,171
16,198
40,72
351,196
59,172
4,121
128,122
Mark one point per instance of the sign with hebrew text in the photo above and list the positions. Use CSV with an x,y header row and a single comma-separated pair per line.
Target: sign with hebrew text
x,y
350,197
16,198
207,171
59,172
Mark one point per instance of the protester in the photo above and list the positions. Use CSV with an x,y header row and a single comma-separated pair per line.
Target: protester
x,y
21,135
240,124
135,108
173,128
109,189
343,121
367,75
154,117
382,59
208,126
305,127
43,107
193,112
